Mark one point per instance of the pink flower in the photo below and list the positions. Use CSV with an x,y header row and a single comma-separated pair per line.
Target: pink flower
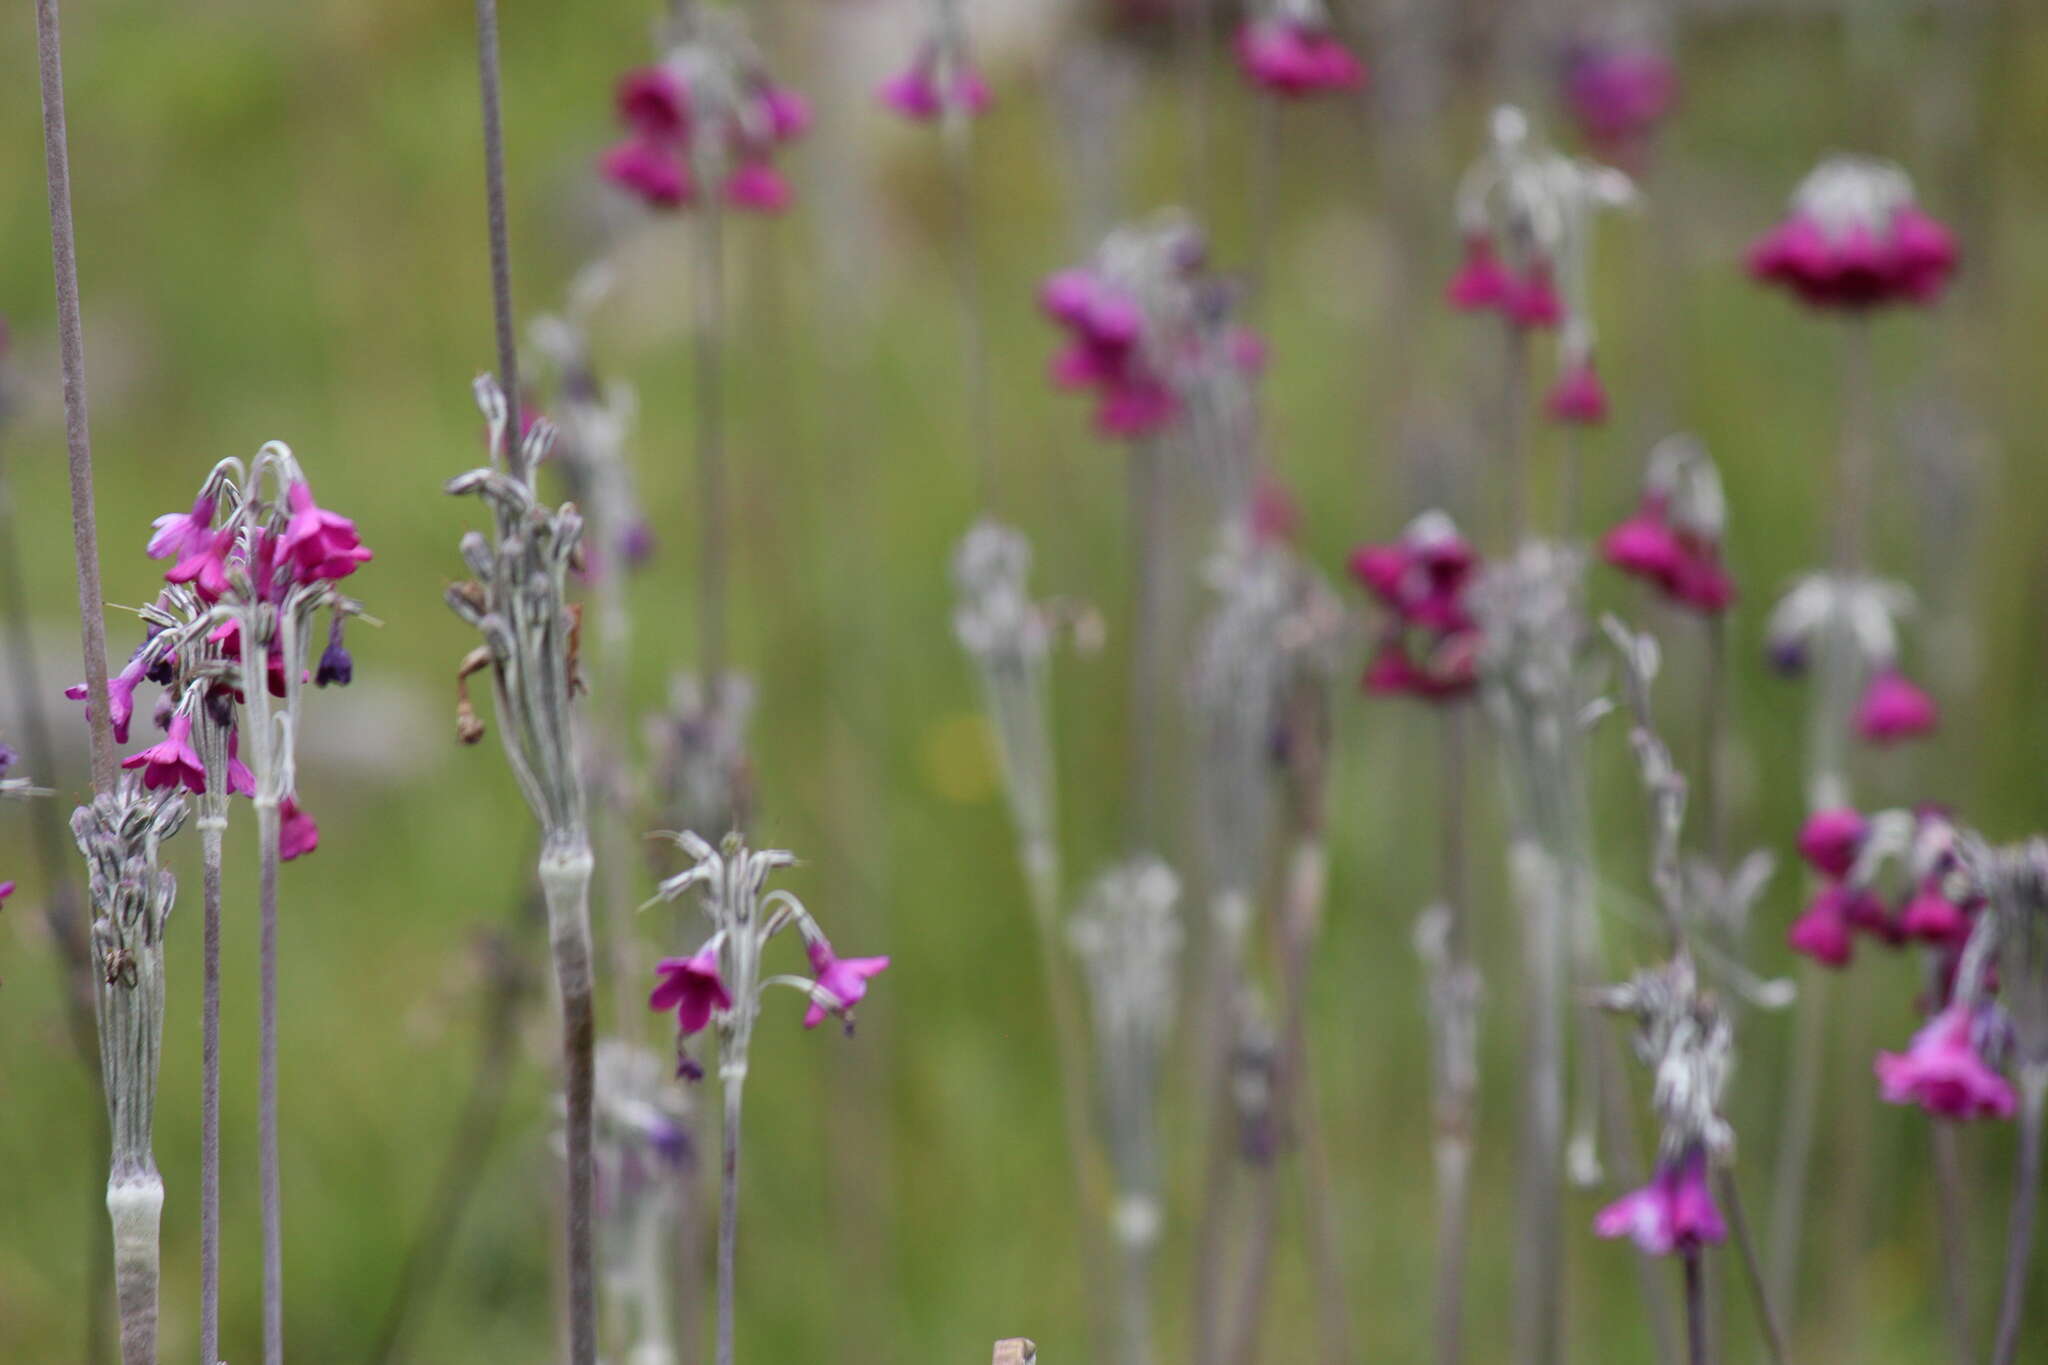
x,y
1135,406
1482,281
204,564
651,170
1578,397
1830,840
756,184
1291,58
788,113
1645,544
1942,1072
1933,918
6,890
179,534
845,979
297,834
172,760
1877,256
917,92
321,543
1823,932
1675,1212
653,102
1893,709
1619,94
120,696
692,987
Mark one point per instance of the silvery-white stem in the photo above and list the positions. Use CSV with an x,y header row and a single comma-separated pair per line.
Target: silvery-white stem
x,y
212,824
135,1204
1135,1224
267,1124
2026,1200
565,867
732,1085
1539,1242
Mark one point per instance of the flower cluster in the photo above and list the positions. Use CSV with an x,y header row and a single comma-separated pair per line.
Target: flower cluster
x,y
1526,215
1856,239
720,985
1148,325
1618,92
1429,647
706,114
1853,855
1290,51
941,79
244,567
1673,539
1862,612
1687,1042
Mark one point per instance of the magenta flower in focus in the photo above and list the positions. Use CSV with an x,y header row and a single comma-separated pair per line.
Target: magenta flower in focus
x,y
692,987
845,979
1675,1212
171,761
179,534
204,565
1943,1073
1296,57
120,696
1893,709
322,544
297,833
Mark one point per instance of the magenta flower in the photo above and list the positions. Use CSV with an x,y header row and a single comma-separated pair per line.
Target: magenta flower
x,y
1578,398
297,833
179,534
1830,840
755,184
1824,932
692,987
120,696
1855,239
204,565
1893,709
650,170
1430,649
1533,300
788,113
1293,58
1684,567
321,543
172,760
1482,281
845,979
6,890
1675,1212
653,102
922,93
1933,918
1943,1073
1103,354
1618,95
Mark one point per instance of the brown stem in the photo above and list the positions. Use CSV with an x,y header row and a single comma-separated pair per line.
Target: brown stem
x,y
1695,1310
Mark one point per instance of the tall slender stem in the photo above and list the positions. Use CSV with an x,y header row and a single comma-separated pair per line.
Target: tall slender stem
x,y
71,354
212,824
61,908
503,320
1752,1269
733,1083
1952,1212
1514,423
959,135
267,1126
1695,1310
1149,527
710,398
565,866
1713,731
1539,1286
2026,1202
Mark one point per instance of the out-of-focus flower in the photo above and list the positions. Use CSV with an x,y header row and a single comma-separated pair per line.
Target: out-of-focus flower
x,y
1856,239
1291,51
1618,93
1893,708
1830,840
1943,1072
1430,646
1674,1214
1578,398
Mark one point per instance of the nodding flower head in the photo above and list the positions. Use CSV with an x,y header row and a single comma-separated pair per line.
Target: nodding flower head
x,y
1618,93
1893,708
337,667
179,534
842,981
940,79
1856,239
1673,539
297,833
707,113
1830,840
1578,398
120,695
1291,51
1944,1071
692,987
1825,931
1674,1214
172,761
321,543
1430,645
1482,281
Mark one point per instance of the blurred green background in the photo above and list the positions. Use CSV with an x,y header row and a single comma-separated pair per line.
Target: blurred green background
x,y
281,235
